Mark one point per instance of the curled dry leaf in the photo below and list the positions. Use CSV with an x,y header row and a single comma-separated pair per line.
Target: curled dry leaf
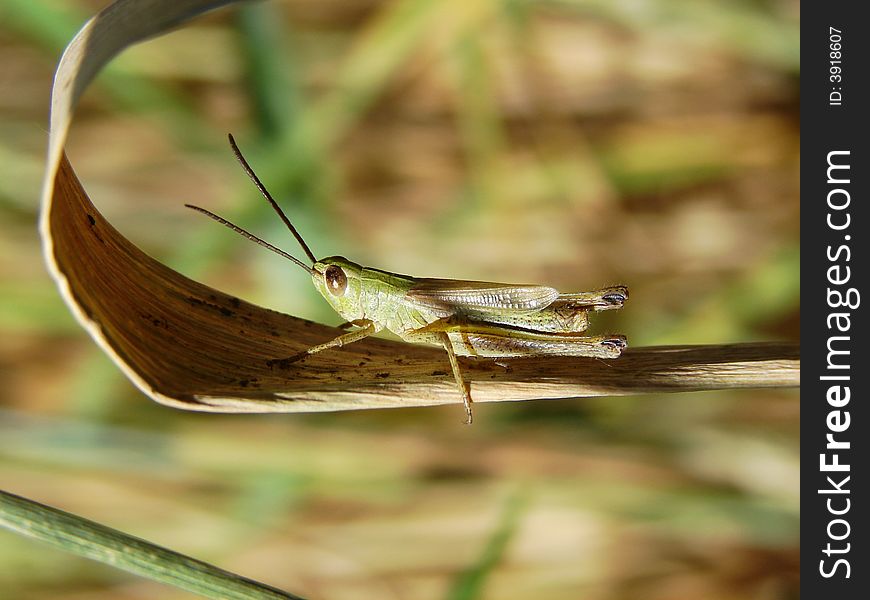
x,y
190,346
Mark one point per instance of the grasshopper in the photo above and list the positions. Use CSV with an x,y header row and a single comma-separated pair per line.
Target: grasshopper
x,y
466,318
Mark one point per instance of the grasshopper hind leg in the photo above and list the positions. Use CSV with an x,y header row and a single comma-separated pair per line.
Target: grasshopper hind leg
x,y
457,374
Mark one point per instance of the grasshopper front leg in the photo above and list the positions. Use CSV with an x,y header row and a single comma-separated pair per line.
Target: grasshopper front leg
x,y
367,328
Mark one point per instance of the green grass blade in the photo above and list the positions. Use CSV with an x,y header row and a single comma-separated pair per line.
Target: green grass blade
x,y
469,584
383,47
89,539
270,68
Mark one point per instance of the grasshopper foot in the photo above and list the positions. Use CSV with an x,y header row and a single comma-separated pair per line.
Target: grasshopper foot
x,y
616,297
617,342
284,363
609,298
507,368
466,401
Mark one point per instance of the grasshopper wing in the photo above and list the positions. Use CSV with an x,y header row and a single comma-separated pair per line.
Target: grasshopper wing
x,y
476,296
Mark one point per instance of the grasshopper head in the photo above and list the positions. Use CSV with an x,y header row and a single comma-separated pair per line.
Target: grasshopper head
x,y
338,280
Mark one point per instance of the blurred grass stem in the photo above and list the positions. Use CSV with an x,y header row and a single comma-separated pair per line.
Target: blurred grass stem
x,y
86,538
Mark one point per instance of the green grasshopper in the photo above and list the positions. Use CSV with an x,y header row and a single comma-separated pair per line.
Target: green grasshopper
x,y
466,318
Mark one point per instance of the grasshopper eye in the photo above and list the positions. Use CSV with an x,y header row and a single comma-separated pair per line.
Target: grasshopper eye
x,y
336,280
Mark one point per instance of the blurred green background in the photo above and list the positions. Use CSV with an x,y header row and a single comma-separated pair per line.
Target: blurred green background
x,y
574,143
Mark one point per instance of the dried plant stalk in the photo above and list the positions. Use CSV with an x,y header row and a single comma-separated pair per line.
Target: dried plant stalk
x,y
193,347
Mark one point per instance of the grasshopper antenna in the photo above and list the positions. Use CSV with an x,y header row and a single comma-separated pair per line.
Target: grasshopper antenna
x,y
268,197
252,237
